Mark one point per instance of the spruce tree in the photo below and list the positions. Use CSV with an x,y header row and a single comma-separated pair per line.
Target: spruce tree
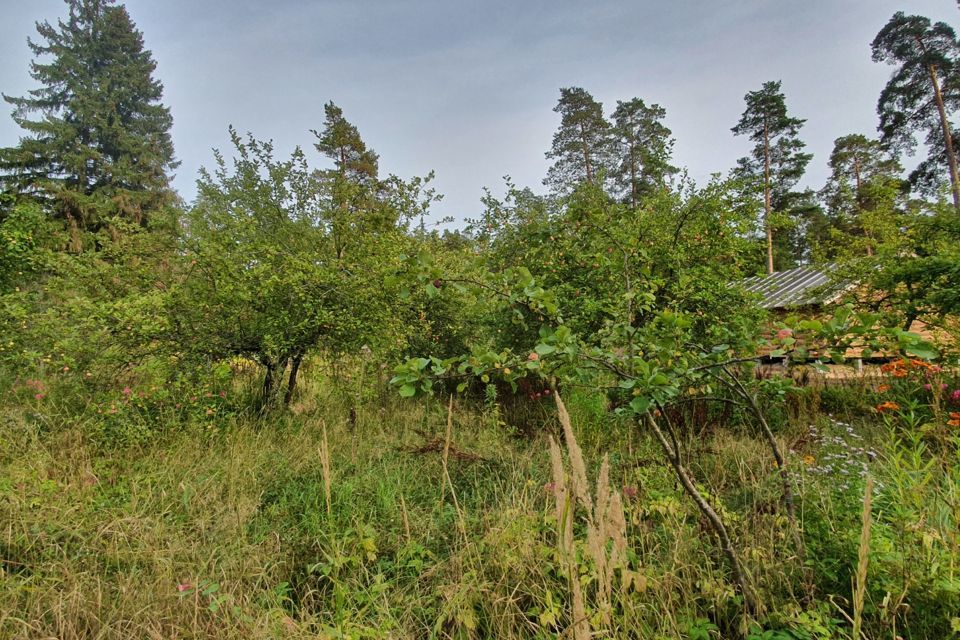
x,y
581,145
777,161
642,147
922,92
97,137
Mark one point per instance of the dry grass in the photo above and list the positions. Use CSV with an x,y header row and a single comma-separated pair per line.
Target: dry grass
x,y
312,528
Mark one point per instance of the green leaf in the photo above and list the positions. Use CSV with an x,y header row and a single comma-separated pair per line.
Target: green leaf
x,y
922,351
408,391
640,404
544,349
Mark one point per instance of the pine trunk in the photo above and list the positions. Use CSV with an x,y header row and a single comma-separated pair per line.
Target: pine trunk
x,y
859,181
766,195
586,154
948,138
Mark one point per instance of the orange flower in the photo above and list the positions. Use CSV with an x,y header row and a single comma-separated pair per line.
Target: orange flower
x,y
887,406
883,388
954,420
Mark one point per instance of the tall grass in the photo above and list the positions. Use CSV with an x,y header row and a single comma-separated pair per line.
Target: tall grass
x,y
307,524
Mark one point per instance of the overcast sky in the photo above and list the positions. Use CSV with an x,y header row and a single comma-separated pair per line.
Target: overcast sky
x,y
468,88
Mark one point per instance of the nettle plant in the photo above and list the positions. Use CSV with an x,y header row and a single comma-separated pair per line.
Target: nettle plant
x,y
654,366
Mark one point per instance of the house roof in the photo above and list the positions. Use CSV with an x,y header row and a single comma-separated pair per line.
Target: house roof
x,y
798,287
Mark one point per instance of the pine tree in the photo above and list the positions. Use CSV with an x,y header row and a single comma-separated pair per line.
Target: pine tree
x,y
341,142
581,145
642,146
101,144
923,91
862,191
777,161
353,184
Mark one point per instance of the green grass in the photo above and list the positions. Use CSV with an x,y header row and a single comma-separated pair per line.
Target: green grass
x,y
224,532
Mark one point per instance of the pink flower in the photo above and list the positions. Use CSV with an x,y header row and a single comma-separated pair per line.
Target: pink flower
x,y
38,396
630,492
127,391
184,586
928,387
550,487
223,394
783,334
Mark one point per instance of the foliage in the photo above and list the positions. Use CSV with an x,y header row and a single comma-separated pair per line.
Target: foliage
x,y
102,145
776,164
581,144
265,279
862,197
642,147
923,90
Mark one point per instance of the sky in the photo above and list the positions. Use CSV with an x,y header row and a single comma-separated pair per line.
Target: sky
x,y
467,88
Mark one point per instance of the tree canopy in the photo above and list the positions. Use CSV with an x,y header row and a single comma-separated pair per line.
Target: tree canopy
x,y
97,137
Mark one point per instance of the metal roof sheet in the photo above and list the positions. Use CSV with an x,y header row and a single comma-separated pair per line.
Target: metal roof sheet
x,y
794,287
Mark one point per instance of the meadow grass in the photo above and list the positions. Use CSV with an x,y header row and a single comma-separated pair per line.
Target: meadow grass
x,y
307,524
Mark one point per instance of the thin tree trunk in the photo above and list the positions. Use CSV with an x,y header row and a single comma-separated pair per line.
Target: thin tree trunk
x,y
859,181
947,136
586,154
267,384
785,480
292,380
766,195
726,545
633,172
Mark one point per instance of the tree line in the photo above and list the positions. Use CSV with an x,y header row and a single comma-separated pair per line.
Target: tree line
x,y
276,257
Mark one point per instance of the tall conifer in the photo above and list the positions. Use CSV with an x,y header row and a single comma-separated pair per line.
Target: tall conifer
x,y
97,137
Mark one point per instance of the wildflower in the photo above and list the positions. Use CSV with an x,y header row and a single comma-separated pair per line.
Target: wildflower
x,y
955,396
630,492
808,459
533,357
887,406
184,586
209,412
223,394
954,420
550,487
127,391
883,388
38,396
783,334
